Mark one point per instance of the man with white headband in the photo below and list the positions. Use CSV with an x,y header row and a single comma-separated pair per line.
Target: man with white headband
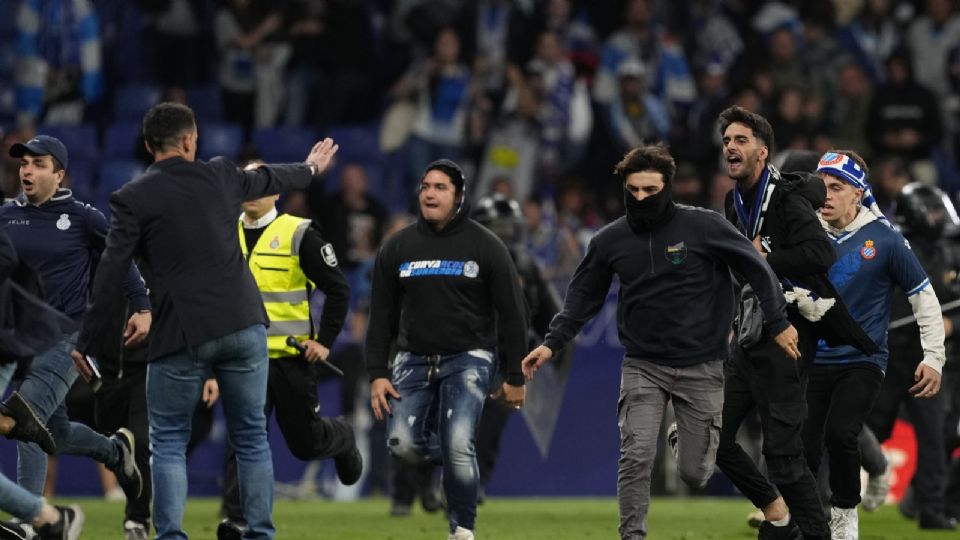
x,y
872,259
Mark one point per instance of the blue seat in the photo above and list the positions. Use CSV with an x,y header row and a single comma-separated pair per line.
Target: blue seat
x,y
219,139
114,174
81,179
81,141
204,99
121,140
360,142
284,144
132,101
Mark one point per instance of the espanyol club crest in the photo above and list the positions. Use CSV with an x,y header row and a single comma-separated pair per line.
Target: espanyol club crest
x,y
471,269
868,251
275,242
64,222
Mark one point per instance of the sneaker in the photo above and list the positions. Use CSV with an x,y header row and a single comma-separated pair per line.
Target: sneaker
x,y
877,488
769,531
844,524
68,527
935,521
15,530
228,530
29,427
673,440
128,474
349,466
134,531
461,534
755,518
908,505
400,509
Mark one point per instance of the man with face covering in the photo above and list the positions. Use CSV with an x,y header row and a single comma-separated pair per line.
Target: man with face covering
x,y
674,312
446,289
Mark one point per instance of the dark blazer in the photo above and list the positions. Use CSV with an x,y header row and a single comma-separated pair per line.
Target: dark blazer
x,y
180,219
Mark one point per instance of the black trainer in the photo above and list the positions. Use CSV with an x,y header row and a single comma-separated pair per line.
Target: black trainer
x,y
68,527
29,427
15,530
936,521
768,531
228,530
128,474
349,466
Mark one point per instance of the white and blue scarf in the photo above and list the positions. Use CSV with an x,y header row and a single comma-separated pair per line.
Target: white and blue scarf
x,y
751,222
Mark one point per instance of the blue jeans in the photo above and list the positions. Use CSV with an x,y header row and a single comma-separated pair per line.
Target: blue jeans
x,y
13,498
44,387
174,385
436,420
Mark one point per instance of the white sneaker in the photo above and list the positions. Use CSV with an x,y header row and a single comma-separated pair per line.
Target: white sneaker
x,y
844,524
461,534
672,440
877,489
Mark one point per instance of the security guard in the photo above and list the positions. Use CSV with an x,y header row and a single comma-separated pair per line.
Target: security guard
x,y
289,259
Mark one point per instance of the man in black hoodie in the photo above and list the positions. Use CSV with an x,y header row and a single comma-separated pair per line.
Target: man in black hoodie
x,y
776,212
445,289
674,313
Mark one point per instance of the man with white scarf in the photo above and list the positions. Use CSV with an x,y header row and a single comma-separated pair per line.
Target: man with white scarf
x,y
872,259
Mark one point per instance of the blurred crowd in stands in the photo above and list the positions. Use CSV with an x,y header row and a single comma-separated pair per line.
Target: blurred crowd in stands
x,y
537,98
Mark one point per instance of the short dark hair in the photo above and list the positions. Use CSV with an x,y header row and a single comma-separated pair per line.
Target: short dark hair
x,y
450,169
652,157
857,158
165,122
757,123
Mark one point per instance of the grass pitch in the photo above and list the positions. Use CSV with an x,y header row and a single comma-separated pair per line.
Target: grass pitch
x,y
499,519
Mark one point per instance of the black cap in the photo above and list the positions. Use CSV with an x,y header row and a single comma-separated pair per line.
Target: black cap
x,y
448,168
41,145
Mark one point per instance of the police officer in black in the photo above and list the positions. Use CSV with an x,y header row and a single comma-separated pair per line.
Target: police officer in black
x,y
922,214
503,216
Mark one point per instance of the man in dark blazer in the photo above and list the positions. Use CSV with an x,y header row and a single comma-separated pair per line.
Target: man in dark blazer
x,y
180,219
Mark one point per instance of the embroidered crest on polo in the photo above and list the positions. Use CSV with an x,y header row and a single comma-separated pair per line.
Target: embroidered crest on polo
x,y
64,222
868,251
676,253
329,256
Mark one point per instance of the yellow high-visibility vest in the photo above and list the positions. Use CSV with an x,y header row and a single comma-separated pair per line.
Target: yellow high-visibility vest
x,y
285,290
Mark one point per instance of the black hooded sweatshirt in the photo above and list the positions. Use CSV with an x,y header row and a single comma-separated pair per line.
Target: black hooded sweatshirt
x,y
676,300
446,292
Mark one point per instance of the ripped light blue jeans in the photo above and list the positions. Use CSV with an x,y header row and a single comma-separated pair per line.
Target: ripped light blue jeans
x,y
436,417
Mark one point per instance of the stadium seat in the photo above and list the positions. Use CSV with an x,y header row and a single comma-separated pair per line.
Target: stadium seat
x,y
219,139
357,142
81,179
114,174
205,102
121,140
81,141
284,145
133,100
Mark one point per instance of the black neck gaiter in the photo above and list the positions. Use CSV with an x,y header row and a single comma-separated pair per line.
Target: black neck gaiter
x,y
651,212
